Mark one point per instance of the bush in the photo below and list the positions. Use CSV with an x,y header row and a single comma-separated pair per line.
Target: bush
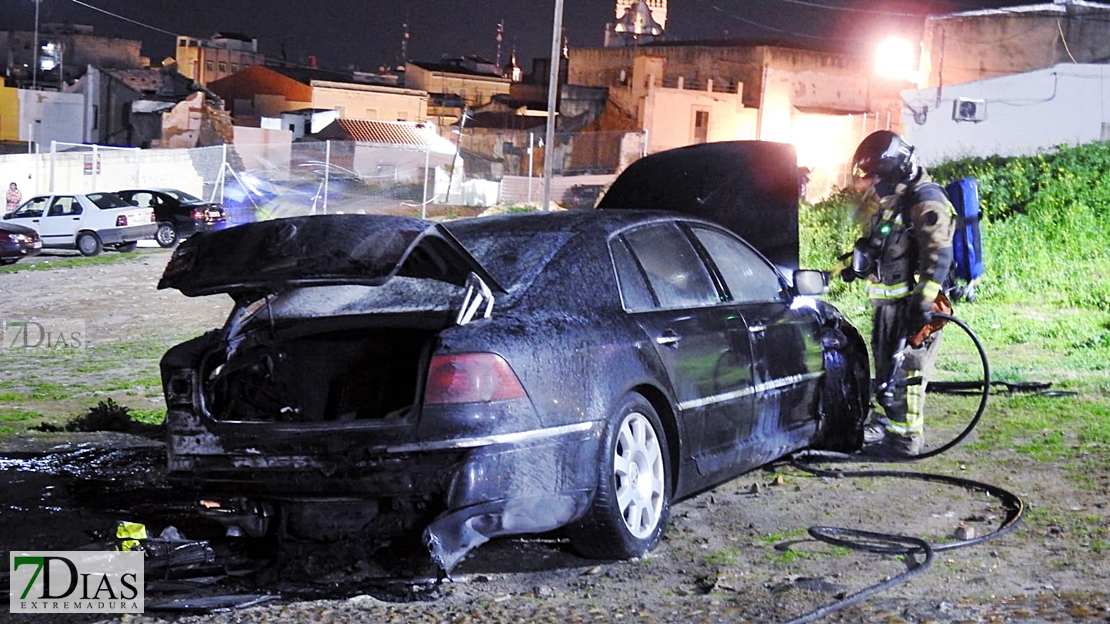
x,y
107,416
1045,225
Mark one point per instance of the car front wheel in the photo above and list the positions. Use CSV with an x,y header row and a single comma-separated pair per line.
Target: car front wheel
x,y
166,235
88,244
632,501
845,393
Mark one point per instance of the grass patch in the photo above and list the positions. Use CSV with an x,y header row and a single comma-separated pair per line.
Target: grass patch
x,y
67,262
18,416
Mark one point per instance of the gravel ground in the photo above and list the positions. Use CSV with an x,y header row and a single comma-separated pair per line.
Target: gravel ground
x,y
739,553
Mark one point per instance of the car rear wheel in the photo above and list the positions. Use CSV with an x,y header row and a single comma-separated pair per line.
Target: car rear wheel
x,y
127,247
632,502
89,244
166,235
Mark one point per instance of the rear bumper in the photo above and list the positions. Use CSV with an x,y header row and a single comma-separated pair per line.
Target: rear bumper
x,y
190,227
484,486
131,233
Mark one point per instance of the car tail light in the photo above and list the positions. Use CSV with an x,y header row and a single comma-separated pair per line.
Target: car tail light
x,y
153,219
179,389
471,378
121,221
199,214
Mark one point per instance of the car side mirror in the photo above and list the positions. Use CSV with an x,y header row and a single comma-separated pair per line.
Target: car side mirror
x,y
810,282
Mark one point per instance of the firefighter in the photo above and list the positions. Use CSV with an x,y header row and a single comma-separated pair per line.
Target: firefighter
x,y
905,255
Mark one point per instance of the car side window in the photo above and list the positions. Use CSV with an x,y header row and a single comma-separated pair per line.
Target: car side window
x,y
66,205
33,208
747,275
675,272
635,292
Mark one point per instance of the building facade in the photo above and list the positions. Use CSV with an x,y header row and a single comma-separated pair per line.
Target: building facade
x,y
208,60
259,91
683,93
979,45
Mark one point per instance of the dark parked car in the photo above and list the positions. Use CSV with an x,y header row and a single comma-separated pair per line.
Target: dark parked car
x,y
17,241
576,370
179,214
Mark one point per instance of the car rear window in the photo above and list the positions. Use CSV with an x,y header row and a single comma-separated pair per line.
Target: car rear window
x,y
183,197
108,200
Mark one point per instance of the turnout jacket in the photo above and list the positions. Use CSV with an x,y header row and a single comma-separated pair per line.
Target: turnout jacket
x,y
916,248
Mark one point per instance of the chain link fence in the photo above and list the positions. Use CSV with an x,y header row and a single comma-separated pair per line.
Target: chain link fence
x,y
261,181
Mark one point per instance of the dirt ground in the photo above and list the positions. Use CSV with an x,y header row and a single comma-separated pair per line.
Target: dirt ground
x,y
738,553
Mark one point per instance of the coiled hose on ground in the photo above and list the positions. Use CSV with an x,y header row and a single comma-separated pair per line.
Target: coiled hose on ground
x,y
918,553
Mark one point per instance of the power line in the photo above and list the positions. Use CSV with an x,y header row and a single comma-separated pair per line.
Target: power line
x,y
126,19
781,31
827,7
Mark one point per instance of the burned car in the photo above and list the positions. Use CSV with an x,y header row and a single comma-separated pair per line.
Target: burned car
x,y
493,376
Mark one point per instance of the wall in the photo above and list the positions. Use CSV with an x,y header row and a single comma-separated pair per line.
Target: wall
x,y
206,60
977,45
259,148
476,90
54,117
1025,113
669,116
822,103
370,102
261,92
9,113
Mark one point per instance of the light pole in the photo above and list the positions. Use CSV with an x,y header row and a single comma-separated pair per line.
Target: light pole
x,y
35,54
552,90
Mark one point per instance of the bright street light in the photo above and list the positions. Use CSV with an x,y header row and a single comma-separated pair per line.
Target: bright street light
x,y
895,58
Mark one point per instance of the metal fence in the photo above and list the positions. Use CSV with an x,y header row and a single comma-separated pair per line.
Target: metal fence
x,y
260,181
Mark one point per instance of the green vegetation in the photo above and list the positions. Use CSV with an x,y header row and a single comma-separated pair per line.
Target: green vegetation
x,y
74,261
1042,310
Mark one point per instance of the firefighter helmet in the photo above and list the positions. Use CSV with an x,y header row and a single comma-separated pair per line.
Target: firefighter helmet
x,y
884,155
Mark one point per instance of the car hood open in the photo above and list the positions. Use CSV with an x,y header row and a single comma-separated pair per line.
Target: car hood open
x,y
256,259
749,187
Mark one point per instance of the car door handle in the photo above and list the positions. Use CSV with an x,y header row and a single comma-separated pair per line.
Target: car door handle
x,y
669,338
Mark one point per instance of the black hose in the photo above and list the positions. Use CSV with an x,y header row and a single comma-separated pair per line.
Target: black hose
x,y
984,394
899,544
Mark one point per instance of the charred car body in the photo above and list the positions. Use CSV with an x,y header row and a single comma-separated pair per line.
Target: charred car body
x,y
506,375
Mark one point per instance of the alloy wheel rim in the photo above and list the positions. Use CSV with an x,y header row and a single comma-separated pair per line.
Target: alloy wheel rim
x,y
638,470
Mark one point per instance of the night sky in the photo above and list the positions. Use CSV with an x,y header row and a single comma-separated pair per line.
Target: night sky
x,y
367,34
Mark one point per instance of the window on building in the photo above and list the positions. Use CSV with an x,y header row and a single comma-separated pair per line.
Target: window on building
x,y
208,66
292,127
223,67
95,116
234,68
371,113
701,126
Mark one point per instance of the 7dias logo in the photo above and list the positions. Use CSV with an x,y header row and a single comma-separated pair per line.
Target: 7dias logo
x,y
76,582
42,337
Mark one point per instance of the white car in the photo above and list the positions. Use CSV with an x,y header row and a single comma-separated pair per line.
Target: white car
x,y
87,222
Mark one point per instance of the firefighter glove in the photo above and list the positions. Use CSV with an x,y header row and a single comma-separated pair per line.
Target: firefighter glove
x,y
924,325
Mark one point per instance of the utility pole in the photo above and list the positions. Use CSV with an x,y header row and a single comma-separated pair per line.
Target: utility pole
x,y
35,55
552,102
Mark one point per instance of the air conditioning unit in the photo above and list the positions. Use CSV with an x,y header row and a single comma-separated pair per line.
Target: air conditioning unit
x,y
966,109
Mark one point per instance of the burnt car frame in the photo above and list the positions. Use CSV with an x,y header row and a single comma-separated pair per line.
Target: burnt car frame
x,y
507,375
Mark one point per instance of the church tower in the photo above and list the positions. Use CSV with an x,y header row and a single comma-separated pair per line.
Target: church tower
x,y
658,9
638,21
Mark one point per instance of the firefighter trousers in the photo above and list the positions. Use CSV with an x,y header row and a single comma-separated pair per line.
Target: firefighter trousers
x,y
902,413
